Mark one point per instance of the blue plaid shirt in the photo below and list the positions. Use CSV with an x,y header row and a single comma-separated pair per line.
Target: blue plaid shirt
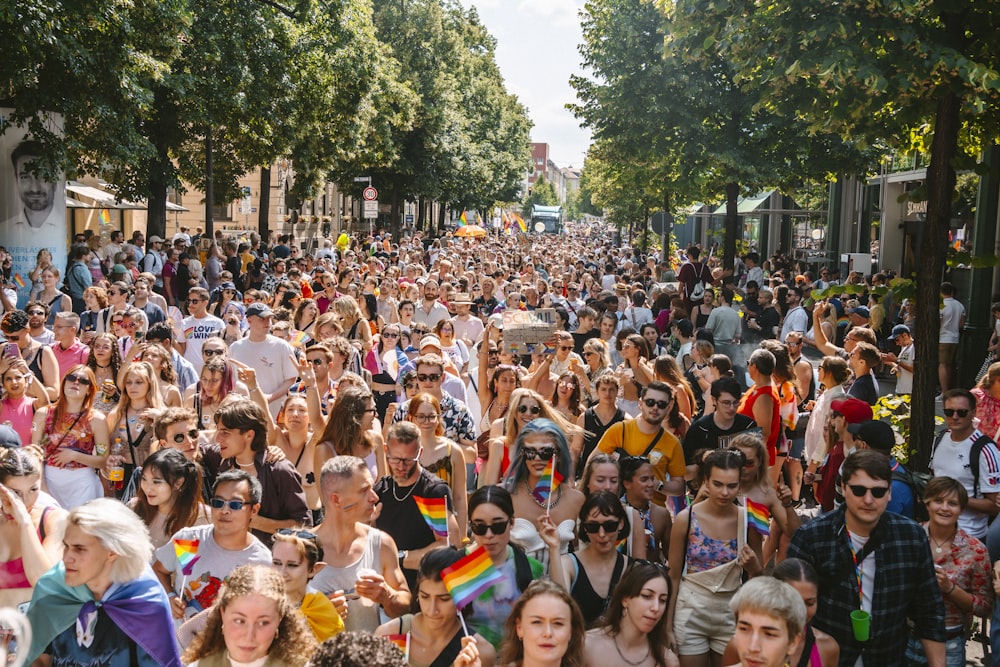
x,y
905,586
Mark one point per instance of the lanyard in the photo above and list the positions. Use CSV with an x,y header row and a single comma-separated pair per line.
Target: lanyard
x,y
858,558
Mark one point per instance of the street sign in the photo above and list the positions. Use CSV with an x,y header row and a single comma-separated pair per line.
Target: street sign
x,y
661,222
409,218
370,194
362,179
371,209
253,209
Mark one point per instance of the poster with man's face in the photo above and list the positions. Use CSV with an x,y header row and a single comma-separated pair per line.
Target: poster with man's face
x,y
32,209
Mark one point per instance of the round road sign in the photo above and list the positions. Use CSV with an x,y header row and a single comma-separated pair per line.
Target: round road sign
x,y
370,194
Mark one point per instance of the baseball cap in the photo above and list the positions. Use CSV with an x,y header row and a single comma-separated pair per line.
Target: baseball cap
x,y
119,268
497,320
854,410
259,310
430,341
9,438
227,285
899,330
685,327
860,310
155,239
876,434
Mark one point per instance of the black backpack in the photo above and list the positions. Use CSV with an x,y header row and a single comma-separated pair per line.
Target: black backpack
x,y
917,481
522,568
974,455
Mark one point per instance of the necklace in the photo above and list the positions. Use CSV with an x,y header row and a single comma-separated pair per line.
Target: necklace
x,y
939,546
244,465
626,660
408,493
542,503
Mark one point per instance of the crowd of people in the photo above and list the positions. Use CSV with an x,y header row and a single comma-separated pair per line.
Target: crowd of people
x,y
221,452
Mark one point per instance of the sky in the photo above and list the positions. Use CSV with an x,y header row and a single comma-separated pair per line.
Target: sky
x,y
537,52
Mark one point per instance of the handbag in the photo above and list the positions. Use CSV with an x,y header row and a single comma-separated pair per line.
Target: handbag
x,y
990,358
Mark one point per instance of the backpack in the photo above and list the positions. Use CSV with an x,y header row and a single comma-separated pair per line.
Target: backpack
x,y
917,481
974,455
522,568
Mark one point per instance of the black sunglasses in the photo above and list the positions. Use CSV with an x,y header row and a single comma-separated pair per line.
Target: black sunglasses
x,y
859,490
593,527
545,453
179,437
534,409
78,379
480,528
651,402
951,412
213,353
428,377
234,505
304,534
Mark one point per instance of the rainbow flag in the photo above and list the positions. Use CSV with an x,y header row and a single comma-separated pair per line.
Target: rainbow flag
x,y
521,223
435,513
187,554
550,481
462,220
104,216
400,641
300,339
19,281
469,577
758,517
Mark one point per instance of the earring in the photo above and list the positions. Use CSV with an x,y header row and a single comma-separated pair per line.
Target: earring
x,y
624,610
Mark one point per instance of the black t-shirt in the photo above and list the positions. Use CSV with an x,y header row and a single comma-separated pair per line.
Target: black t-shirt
x,y
580,338
768,320
402,519
486,306
704,433
864,388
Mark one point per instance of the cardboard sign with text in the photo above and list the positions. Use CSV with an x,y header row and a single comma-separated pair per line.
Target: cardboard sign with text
x,y
529,331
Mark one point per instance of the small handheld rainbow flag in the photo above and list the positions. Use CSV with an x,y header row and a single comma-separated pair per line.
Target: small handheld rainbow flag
x,y
19,281
549,482
462,220
759,517
469,577
104,217
435,513
187,554
300,339
400,641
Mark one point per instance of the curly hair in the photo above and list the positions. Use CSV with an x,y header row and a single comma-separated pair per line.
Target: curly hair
x,y
358,649
116,357
293,642
574,397
167,373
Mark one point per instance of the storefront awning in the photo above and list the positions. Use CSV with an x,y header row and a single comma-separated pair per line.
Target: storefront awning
x,y
104,199
747,204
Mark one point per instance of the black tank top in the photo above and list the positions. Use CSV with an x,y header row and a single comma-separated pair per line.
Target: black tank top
x,y
594,431
591,604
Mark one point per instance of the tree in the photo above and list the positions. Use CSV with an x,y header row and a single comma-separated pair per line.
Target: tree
x,y
907,73
543,193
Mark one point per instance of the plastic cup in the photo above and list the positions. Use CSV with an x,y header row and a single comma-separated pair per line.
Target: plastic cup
x,y
861,621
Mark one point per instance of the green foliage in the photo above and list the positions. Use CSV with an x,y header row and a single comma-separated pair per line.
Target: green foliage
x,y
895,409
543,193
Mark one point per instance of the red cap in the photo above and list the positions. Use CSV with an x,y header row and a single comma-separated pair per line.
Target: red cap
x,y
854,410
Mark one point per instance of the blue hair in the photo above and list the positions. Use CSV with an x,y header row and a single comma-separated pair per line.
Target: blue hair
x,y
517,470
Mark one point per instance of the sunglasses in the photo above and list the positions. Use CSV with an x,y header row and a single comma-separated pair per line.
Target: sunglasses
x,y
78,379
652,402
565,348
304,534
498,527
213,353
493,353
234,505
525,408
179,437
196,300
859,490
594,527
38,313
545,453
951,412
389,334
428,377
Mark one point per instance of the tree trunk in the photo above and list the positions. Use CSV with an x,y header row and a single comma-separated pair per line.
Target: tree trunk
x,y
733,231
263,222
209,189
156,200
421,215
933,252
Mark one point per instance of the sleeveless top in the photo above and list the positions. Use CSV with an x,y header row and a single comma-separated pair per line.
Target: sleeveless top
x,y
450,651
810,652
12,573
72,432
442,467
746,409
20,412
700,319
591,604
594,430
705,553
35,365
362,614
647,523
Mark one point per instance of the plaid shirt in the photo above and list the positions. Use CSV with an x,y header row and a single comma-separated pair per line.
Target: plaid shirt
x,y
905,586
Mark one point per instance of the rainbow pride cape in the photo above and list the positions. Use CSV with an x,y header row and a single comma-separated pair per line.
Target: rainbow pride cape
x,y
435,513
187,554
469,577
758,517
550,481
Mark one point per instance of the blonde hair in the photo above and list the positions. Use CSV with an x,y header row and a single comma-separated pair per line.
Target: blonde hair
x,y
120,531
